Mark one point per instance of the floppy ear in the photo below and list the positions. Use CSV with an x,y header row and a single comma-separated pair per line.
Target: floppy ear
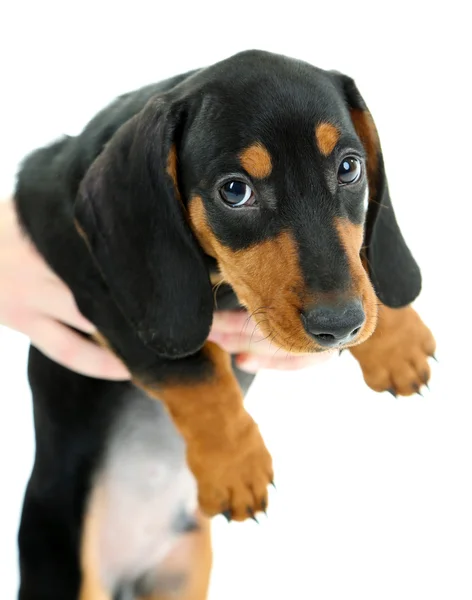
x,y
130,212
393,271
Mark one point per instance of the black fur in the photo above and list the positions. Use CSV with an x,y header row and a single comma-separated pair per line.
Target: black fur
x,y
393,271
143,279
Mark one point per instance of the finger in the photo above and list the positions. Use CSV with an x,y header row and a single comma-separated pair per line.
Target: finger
x,y
74,352
232,321
252,363
256,343
56,300
24,258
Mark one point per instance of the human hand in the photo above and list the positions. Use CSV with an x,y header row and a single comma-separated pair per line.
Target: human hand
x,y
34,301
238,334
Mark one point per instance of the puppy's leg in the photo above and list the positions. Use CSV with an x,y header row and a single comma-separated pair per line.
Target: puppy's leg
x,y
92,586
189,564
395,357
48,561
225,450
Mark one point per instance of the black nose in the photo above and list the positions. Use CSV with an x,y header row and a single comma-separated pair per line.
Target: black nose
x,y
334,325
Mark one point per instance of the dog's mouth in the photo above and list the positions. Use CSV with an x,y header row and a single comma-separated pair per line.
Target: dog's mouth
x,y
269,283
296,322
287,330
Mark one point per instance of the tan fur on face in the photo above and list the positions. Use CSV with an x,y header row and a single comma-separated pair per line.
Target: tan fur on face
x,y
257,161
351,237
367,132
327,137
266,278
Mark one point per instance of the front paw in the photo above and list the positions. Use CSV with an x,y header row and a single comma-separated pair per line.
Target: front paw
x,y
395,357
233,470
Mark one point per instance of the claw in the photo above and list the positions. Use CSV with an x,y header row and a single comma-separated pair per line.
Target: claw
x,y
228,515
251,514
341,351
393,392
264,507
425,381
273,484
434,357
416,389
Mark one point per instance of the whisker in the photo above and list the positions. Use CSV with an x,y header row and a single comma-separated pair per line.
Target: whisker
x,y
253,332
257,320
254,313
264,338
216,287
246,323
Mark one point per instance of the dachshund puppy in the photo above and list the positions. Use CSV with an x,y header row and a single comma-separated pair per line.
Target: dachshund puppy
x,y
263,173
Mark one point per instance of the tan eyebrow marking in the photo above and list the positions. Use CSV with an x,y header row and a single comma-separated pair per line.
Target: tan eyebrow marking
x,y
327,137
256,160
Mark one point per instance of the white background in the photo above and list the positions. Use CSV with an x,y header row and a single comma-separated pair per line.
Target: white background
x,y
374,498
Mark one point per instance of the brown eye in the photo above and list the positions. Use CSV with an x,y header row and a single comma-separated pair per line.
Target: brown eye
x,y
349,170
237,193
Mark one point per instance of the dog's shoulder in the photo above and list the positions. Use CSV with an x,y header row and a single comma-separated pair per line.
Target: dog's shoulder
x,y
49,177
107,121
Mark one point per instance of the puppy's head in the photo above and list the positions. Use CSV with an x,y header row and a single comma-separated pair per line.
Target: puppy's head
x,y
273,168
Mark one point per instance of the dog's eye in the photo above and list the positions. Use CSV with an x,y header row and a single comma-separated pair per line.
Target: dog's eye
x,y
349,170
237,193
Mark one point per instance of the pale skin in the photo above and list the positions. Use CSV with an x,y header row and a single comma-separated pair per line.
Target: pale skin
x,y
35,302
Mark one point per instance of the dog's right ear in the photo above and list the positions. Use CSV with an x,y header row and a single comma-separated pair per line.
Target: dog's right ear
x,y
392,268
130,212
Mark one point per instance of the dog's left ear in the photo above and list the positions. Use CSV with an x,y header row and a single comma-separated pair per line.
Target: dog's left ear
x,y
393,271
